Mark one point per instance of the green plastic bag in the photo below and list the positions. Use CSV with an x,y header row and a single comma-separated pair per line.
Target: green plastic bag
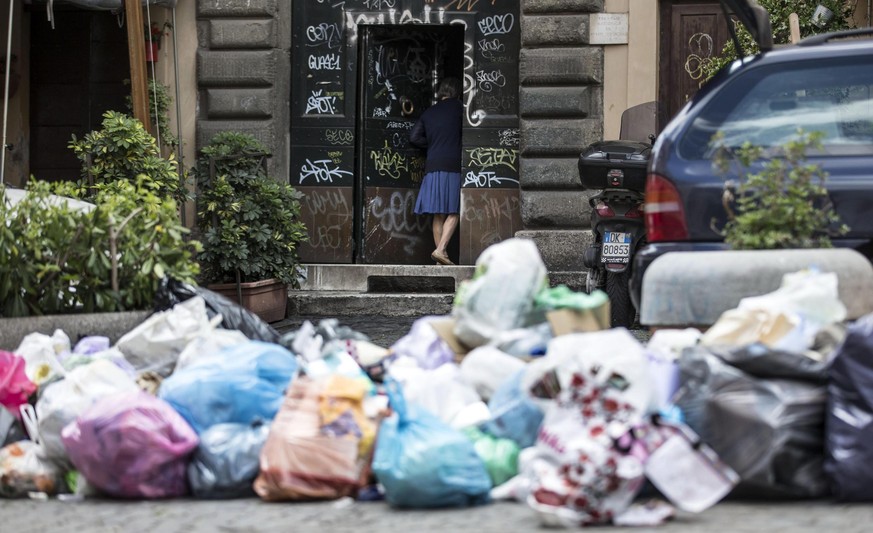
x,y
562,297
499,455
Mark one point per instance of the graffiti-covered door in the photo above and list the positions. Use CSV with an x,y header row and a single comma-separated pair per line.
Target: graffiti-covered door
x,y
399,70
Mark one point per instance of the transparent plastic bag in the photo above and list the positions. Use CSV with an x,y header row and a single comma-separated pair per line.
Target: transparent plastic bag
x,y
226,462
500,296
24,469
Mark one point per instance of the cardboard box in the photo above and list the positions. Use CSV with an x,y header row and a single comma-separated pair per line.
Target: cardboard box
x,y
445,329
564,321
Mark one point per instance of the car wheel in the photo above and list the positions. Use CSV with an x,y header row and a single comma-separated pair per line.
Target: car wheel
x,y
622,310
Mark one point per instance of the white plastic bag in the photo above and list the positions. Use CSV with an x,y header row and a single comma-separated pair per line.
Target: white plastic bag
x,y
486,368
209,343
500,296
63,401
440,391
40,353
614,353
162,336
785,319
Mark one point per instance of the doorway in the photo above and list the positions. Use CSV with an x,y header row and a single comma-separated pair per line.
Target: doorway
x,y
77,72
399,70
692,33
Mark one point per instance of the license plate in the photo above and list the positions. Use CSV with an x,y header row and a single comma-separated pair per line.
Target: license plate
x,y
616,247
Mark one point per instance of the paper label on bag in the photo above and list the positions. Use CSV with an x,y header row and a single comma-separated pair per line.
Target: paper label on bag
x,y
692,477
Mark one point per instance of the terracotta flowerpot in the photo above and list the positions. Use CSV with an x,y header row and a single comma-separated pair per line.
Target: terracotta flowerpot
x,y
266,298
151,51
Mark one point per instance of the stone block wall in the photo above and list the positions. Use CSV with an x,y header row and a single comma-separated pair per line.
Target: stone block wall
x,y
243,73
560,106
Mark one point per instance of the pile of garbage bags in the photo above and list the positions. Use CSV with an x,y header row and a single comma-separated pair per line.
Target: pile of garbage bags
x,y
523,393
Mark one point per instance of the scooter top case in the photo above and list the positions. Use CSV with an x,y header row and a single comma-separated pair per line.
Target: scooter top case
x,y
615,165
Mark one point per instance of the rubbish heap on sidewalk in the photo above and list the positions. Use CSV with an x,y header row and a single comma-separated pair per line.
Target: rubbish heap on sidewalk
x,y
522,393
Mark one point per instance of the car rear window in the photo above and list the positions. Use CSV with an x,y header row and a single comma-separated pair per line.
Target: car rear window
x,y
766,105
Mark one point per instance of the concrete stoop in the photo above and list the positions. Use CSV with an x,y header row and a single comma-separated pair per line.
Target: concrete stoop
x,y
382,290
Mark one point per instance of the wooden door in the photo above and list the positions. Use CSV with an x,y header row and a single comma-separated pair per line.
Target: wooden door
x,y
692,33
77,73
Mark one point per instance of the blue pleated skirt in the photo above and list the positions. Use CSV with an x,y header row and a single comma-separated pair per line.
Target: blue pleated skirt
x,y
440,193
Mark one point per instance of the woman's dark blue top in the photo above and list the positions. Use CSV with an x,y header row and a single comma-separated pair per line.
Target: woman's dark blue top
x,y
439,131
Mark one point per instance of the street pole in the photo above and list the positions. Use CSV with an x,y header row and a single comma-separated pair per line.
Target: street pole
x,y
136,52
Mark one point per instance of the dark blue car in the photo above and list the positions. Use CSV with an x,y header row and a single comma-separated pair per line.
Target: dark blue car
x,y
824,83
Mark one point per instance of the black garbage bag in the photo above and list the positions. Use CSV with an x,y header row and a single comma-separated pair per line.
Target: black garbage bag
x,y
763,412
234,316
849,423
10,429
226,461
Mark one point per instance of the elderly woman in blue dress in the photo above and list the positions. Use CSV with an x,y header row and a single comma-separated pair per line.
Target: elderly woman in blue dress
x,y
438,131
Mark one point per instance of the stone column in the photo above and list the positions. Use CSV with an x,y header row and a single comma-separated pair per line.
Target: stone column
x,y
243,73
560,108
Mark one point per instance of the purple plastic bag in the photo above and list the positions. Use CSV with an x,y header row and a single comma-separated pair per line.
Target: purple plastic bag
x,y
132,445
423,344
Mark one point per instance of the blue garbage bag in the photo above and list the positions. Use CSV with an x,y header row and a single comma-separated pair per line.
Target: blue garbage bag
x,y
423,463
227,460
241,383
514,416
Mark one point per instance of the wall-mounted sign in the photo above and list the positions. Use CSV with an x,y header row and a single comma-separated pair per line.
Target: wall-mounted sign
x,y
607,28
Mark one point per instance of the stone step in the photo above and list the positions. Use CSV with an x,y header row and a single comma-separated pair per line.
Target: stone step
x,y
385,278
354,303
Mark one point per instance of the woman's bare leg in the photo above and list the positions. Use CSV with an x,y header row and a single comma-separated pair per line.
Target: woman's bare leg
x,y
448,228
437,228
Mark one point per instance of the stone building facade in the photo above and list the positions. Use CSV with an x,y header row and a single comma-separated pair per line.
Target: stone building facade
x,y
245,73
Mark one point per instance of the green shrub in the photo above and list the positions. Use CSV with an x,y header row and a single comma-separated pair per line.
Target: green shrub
x,y
159,111
249,224
56,259
785,205
124,150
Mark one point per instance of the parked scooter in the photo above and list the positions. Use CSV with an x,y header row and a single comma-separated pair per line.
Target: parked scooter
x,y
618,170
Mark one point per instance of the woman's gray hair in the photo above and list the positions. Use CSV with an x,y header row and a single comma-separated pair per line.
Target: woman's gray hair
x,y
449,88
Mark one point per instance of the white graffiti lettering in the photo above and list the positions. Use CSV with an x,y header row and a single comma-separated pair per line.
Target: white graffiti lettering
x,y
497,24
324,34
508,137
320,104
376,5
486,179
321,171
398,215
489,80
324,62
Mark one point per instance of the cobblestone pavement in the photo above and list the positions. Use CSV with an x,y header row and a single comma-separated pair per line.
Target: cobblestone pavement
x,y
253,515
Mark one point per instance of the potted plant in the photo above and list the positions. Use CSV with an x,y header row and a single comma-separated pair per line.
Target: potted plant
x,y
249,225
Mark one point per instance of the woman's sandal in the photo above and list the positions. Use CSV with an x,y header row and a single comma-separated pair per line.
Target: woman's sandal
x,y
441,258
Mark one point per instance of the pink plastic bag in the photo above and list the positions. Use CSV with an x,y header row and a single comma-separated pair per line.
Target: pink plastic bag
x,y
15,387
132,445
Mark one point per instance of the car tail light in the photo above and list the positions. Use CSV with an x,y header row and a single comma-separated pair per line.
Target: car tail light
x,y
604,210
636,212
665,217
